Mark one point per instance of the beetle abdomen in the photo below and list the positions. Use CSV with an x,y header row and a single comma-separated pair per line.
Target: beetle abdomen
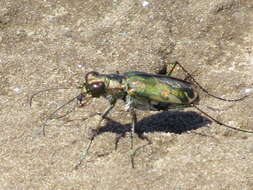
x,y
159,88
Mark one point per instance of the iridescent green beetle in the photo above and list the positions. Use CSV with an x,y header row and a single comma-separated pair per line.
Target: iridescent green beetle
x,y
143,91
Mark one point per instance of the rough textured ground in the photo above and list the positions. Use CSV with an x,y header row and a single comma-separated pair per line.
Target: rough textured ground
x,y
45,44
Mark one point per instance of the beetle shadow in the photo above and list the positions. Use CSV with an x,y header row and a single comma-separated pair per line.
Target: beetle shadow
x,y
169,121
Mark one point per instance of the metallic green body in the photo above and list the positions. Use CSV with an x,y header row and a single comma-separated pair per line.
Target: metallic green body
x,y
144,91
159,88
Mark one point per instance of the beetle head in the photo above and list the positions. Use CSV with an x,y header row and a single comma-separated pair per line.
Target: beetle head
x,y
93,85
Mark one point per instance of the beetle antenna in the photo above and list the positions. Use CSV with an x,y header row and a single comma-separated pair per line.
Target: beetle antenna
x,y
204,90
220,123
45,90
50,117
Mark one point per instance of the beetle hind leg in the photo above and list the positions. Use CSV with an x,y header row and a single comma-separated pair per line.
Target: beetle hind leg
x,y
164,70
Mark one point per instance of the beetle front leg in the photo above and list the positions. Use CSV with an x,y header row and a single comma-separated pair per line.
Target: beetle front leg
x,y
94,133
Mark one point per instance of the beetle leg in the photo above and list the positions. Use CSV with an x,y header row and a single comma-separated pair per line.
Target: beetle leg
x,y
174,64
143,137
94,133
140,135
188,77
163,70
134,121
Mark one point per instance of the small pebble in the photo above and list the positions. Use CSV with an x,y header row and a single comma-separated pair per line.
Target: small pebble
x,y
246,90
145,3
17,89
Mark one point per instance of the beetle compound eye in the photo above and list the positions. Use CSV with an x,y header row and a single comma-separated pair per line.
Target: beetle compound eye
x,y
97,88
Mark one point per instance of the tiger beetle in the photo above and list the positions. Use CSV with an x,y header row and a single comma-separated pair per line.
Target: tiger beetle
x,y
142,91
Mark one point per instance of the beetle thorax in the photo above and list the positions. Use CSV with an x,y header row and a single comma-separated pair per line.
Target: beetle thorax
x,y
105,85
